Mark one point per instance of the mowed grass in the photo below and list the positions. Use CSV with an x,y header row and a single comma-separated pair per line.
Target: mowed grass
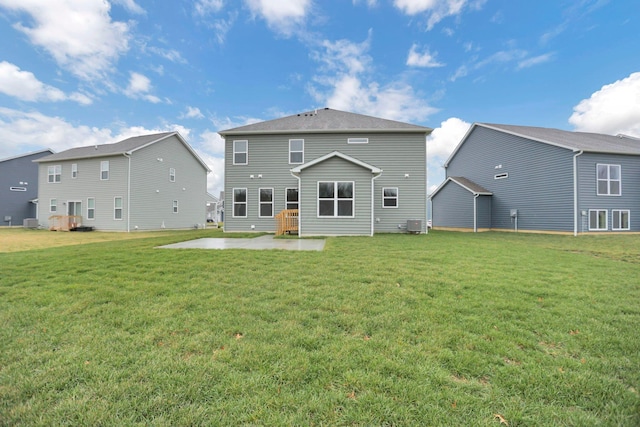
x,y
436,330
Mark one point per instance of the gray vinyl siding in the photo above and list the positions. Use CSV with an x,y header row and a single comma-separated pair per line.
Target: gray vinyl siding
x,y
483,212
453,207
19,172
152,194
335,169
587,188
396,154
539,185
87,184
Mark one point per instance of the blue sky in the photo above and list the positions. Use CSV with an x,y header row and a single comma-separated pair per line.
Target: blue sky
x,y
84,72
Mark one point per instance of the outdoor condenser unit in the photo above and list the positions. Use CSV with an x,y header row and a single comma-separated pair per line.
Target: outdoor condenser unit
x,y
30,223
414,225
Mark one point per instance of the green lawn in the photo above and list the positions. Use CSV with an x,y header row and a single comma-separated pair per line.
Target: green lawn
x,y
440,329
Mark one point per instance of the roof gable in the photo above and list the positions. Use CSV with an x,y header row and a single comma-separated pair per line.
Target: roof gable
x,y
32,153
326,120
467,184
338,154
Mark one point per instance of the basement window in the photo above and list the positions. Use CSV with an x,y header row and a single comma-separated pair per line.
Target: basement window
x,y
501,176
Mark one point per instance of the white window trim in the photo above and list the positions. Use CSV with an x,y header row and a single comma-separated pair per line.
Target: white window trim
x,y
606,225
297,151
357,140
397,198
245,203
237,152
53,205
609,180
619,212
336,199
57,173
103,169
174,207
116,208
172,174
260,202
501,176
89,208
286,198
74,170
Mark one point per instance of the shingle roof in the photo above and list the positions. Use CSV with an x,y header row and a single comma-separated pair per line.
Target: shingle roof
x,y
125,146
6,159
465,183
326,120
589,142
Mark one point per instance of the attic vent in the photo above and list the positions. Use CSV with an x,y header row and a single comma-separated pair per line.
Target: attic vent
x,y
501,176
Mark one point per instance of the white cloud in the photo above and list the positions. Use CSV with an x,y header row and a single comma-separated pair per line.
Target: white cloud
x,y
345,83
440,144
139,88
131,6
536,60
424,59
79,34
282,16
25,86
613,109
169,54
437,10
192,113
206,7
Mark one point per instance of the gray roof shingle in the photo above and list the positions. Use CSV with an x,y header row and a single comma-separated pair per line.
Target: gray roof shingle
x,y
326,120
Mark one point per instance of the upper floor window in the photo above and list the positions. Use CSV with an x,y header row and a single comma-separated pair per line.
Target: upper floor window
x,y
291,201
335,199
358,141
390,197
609,180
104,170
74,170
175,206
266,203
240,152
296,151
172,174
54,173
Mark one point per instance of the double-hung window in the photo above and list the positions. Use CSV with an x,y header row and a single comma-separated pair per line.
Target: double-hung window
x,y
240,152
54,173
598,220
53,205
117,208
172,174
390,197
266,203
91,208
104,170
239,202
620,219
74,170
292,198
609,180
296,151
335,199
175,206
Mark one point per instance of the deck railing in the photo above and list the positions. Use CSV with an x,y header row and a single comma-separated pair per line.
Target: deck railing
x,y
64,222
286,221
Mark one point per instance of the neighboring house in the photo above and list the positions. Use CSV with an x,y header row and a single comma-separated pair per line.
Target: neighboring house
x,y
505,177
146,182
221,207
19,187
212,209
345,173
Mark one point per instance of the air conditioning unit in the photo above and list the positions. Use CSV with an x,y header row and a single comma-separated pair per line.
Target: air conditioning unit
x,y
30,223
414,226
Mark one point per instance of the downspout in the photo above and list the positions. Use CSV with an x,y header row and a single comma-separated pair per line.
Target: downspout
x,y
575,192
299,203
475,213
373,196
128,156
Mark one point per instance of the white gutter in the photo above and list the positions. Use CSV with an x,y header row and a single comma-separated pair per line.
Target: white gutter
x,y
299,204
575,192
373,197
475,213
128,156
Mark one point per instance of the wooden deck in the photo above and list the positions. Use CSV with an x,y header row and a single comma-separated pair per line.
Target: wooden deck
x,y
287,221
64,222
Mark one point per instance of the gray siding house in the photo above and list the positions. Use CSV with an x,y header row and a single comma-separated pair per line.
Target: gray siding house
x,y
19,187
147,182
345,173
523,178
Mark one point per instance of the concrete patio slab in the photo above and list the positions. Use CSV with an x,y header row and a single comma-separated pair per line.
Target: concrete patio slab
x,y
257,243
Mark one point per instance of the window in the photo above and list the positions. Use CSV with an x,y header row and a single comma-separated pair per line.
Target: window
x,y
609,180
390,197
54,173
17,188
266,203
598,220
335,199
117,208
91,208
172,174
501,176
175,206
358,141
239,202
53,205
240,152
74,170
620,219
292,198
296,151
104,170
